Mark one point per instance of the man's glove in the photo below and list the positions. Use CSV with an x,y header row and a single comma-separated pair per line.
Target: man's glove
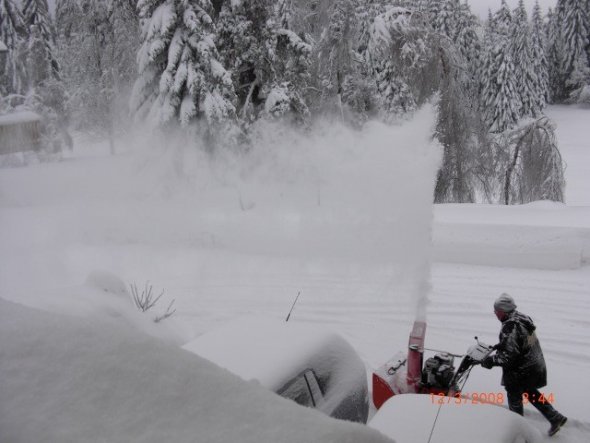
x,y
488,362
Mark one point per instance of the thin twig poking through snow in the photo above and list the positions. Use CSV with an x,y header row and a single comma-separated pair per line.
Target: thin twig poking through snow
x,y
145,301
168,313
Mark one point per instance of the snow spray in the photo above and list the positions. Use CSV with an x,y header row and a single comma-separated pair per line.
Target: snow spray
x,y
421,291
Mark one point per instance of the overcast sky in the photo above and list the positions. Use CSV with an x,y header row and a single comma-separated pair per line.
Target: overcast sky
x,y
480,7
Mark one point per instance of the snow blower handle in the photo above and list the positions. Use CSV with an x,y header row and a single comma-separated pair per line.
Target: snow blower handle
x,y
480,351
474,356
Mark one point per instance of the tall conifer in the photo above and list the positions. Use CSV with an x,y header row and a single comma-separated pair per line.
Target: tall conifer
x,y
12,34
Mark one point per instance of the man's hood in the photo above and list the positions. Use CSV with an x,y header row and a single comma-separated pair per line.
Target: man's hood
x,y
523,319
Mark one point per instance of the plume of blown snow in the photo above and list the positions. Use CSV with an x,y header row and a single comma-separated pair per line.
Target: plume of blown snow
x,y
330,193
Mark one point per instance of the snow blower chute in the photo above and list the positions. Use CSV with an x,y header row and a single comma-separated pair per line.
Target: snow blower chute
x,y
410,374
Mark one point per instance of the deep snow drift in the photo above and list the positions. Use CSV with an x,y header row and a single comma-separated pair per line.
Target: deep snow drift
x,y
405,417
67,380
539,235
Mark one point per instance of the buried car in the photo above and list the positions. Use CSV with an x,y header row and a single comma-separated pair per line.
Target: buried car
x,y
310,365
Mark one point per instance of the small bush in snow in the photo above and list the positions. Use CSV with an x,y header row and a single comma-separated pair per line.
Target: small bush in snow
x,y
145,301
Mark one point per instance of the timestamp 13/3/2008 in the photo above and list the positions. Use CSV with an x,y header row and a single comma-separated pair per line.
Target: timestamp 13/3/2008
x,y
475,398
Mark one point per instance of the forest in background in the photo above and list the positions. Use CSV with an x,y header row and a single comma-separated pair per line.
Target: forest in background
x,y
216,68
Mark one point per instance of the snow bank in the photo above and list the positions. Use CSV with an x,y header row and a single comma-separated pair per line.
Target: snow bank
x,y
70,380
541,235
409,419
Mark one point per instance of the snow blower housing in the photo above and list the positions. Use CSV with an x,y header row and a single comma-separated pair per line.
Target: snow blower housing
x,y
405,374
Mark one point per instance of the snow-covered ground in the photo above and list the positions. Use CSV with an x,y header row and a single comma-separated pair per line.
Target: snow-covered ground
x,y
355,236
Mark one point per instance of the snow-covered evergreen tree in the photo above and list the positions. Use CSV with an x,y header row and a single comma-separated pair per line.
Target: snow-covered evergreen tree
x,y
568,39
575,34
335,57
446,19
284,14
42,63
124,43
588,16
67,18
431,8
69,49
87,65
12,34
244,39
180,76
306,18
398,54
555,53
97,42
500,98
291,70
526,80
469,46
364,15
46,94
539,60
268,60
467,33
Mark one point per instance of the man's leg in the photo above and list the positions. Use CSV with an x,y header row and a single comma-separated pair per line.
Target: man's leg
x,y
544,407
555,418
515,400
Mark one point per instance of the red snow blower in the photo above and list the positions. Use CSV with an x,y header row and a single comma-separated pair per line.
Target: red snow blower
x,y
409,374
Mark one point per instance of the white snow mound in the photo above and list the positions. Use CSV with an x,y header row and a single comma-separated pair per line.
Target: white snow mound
x,y
409,419
64,379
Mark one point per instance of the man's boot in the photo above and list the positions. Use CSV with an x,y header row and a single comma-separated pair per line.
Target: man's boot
x,y
557,424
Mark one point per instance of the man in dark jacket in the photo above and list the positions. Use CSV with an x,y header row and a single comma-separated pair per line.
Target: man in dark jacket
x,y
523,365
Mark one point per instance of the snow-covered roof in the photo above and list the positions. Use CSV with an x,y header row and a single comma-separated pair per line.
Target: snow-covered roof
x,y
19,117
88,380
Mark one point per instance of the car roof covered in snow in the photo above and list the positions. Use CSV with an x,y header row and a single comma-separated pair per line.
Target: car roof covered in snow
x,y
271,351
409,418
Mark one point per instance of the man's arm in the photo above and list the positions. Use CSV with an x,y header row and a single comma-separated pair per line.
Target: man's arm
x,y
509,349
